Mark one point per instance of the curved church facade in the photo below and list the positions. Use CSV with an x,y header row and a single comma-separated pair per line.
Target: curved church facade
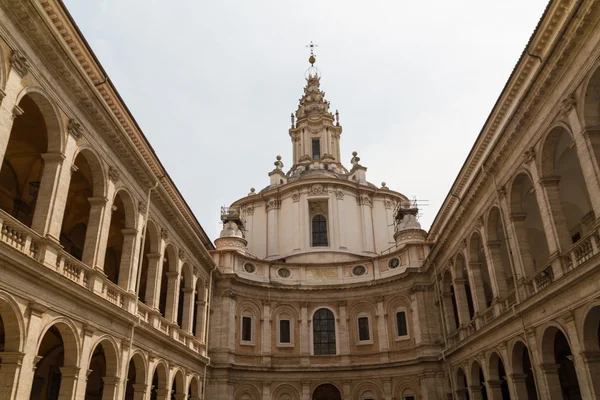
x,y
321,285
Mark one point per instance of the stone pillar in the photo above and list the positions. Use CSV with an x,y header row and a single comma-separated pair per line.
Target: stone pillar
x,y
68,383
557,212
128,265
305,350
347,390
591,360
272,208
172,295
382,330
343,335
535,354
85,357
341,217
460,291
8,99
494,389
30,349
518,220
551,386
111,384
9,373
305,391
545,210
428,385
200,327
296,217
387,389
163,394
366,205
475,392
519,386
139,391
188,309
155,267
91,246
266,390
477,292
497,269
448,312
44,207
266,336
585,385
590,165
461,394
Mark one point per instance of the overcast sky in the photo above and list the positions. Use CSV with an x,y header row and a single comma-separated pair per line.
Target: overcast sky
x,y
213,83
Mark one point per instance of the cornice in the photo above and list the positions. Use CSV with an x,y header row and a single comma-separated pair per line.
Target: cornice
x,y
530,103
282,190
120,129
521,77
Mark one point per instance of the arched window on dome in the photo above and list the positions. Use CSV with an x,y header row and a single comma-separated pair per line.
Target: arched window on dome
x,y
319,231
324,332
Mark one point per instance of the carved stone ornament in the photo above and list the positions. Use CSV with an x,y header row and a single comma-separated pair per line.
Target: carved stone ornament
x,y
75,129
339,194
316,189
250,209
364,200
502,193
114,174
19,63
296,197
181,253
143,206
273,204
388,204
568,104
529,155
164,234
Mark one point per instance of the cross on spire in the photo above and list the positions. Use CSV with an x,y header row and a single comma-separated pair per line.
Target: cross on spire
x,y
312,46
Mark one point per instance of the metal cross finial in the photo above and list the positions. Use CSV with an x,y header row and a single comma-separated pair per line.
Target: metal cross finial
x,y
312,46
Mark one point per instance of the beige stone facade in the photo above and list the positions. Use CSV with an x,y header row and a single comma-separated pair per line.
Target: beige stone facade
x,y
321,285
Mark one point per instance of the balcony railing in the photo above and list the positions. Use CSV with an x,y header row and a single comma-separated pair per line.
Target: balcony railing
x,y
73,269
17,235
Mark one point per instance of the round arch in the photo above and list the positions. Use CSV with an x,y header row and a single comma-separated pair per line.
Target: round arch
x,y
367,390
327,391
285,391
246,391
11,322
527,222
556,350
50,113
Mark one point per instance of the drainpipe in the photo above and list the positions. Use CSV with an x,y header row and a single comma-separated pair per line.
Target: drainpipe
x,y
206,330
137,283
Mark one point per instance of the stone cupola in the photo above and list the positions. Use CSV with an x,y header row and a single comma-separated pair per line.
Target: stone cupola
x,y
315,131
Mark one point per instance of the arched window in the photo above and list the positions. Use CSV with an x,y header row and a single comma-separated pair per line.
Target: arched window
x,y
324,332
319,231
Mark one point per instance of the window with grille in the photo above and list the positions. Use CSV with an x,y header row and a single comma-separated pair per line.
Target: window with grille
x,y
247,329
401,327
319,231
324,332
316,149
363,329
284,331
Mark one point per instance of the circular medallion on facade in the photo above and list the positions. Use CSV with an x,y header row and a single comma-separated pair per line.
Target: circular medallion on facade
x,y
359,270
250,268
283,273
393,263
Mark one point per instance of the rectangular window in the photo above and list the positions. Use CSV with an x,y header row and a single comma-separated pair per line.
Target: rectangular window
x,y
363,329
246,329
401,327
316,149
284,331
